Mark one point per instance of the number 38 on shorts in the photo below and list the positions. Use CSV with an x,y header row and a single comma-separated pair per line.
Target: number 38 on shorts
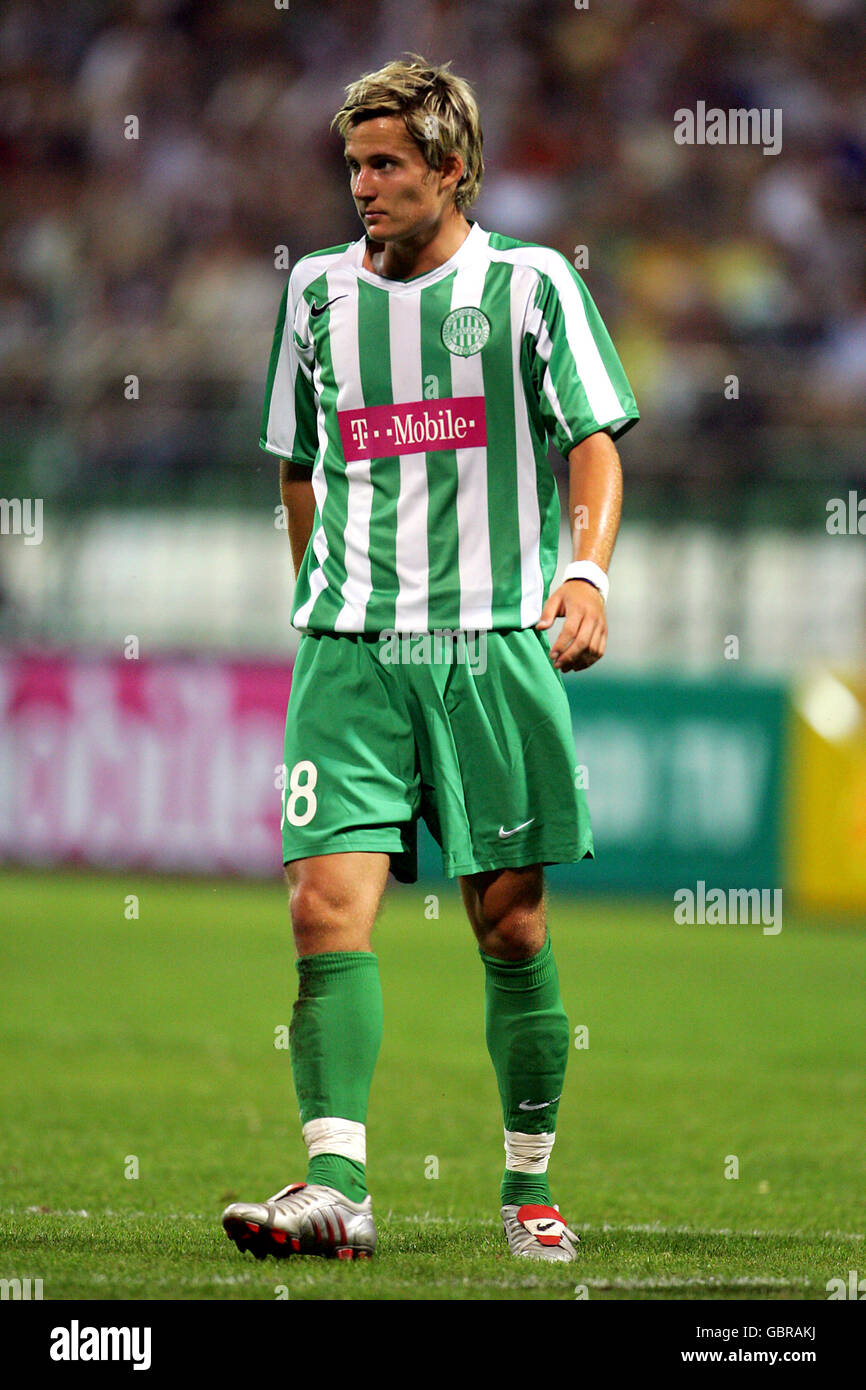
x,y
299,797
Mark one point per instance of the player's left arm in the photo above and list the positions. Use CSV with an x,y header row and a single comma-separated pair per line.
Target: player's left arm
x,y
595,503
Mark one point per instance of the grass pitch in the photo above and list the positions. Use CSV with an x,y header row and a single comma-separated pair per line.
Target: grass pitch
x,y
152,1046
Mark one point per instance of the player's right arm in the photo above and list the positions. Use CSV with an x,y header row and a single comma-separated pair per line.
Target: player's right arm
x,y
289,417
296,493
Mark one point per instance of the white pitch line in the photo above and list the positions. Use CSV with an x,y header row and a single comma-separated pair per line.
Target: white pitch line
x,y
645,1229
113,1215
254,1279
741,1281
427,1218
652,1229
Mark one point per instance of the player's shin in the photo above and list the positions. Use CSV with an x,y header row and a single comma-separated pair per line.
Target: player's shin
x,y
335,1036
527,1038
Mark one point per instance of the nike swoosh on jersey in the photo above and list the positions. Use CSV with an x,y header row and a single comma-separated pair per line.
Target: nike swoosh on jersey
x,y
542,1105
504,834
317,309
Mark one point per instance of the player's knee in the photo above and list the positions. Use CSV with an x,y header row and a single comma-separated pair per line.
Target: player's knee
x,y
315,906
326,918
512,905
513,938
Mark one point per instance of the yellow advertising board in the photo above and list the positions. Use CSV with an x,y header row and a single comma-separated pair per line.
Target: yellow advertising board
x,y
826,841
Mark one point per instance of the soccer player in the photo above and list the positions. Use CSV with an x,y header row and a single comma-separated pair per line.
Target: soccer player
x,y
416,379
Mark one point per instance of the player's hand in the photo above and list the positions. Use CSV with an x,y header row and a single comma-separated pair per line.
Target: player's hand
x,y
583,636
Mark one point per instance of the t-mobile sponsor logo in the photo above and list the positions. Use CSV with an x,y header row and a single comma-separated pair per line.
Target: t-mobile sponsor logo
x,y
382,431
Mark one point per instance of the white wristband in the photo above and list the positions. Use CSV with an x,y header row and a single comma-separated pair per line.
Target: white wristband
x,y
587,569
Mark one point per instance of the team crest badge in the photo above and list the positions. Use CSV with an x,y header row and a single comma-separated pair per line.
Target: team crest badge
x,y
465,331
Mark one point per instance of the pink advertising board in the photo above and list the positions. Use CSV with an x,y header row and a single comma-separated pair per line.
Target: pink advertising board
x,y
163,764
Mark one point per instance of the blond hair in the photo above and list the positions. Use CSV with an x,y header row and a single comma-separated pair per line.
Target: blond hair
x,y
439,110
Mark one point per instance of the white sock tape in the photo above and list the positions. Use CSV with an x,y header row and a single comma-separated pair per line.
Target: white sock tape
x,y
334,1136
527,1153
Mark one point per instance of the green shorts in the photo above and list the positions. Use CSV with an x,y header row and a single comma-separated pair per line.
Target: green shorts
x,y
472,732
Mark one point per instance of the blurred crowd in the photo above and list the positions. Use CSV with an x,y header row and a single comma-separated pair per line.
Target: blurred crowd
x,y
154,256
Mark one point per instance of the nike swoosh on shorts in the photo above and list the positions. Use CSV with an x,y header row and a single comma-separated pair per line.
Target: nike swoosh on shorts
x,y
504,834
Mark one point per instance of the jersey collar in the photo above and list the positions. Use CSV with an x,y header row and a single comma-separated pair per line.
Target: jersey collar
x,y
464,252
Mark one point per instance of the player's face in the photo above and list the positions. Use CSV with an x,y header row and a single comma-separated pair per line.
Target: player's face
x,y
397,194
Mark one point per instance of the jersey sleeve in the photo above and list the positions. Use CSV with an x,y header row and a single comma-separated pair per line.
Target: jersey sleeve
x,y
580,382
289,416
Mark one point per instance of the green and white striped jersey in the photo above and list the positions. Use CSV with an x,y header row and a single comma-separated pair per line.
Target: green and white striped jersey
x,y
424,408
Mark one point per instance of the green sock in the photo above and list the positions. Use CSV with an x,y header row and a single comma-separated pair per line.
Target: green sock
x,y
524,1190
527,1037
334,1039
345,1174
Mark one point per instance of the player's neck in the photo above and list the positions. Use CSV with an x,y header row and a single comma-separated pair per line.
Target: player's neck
x,y
404,260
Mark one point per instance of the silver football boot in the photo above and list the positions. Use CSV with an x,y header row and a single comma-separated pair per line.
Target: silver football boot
x,y
303,1219
538,1233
